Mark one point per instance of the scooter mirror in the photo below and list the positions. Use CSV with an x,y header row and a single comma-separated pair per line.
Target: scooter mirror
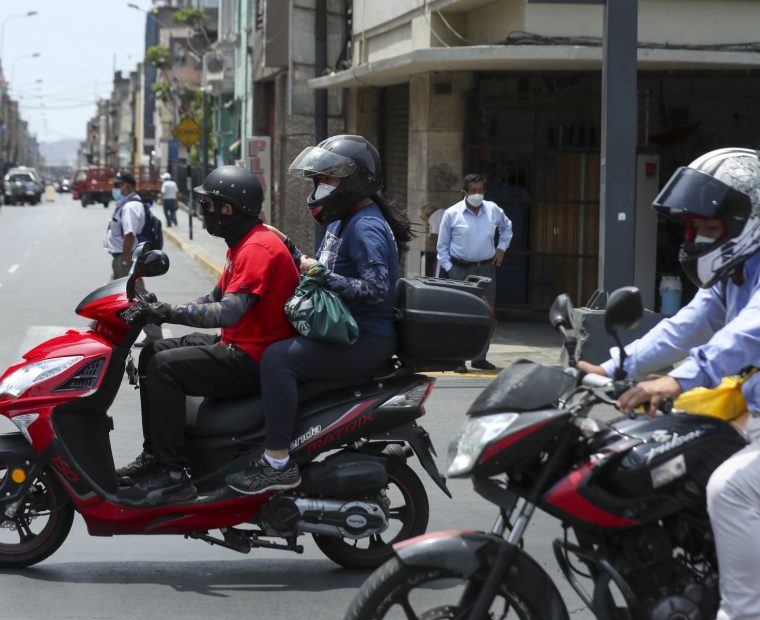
x,y
561,311
624,309
152,263
140,249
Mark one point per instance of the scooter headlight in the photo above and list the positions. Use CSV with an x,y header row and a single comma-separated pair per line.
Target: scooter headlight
x,y
20,380
474,436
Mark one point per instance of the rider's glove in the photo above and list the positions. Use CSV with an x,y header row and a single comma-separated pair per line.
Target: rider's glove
x,y
156,313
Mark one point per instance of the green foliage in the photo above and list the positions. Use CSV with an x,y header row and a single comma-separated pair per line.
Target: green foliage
x,y
195,18
161,90
159,56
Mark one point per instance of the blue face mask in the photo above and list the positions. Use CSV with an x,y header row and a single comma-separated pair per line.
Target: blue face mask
x,y
116,193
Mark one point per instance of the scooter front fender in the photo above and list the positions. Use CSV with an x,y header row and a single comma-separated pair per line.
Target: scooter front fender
x,y
468,553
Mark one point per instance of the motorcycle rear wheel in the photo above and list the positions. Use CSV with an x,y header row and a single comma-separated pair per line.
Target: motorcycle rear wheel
x,y
41,524
409,512
397,591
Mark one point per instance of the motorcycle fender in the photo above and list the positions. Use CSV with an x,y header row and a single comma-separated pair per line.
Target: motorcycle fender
x,y
419,440
15,451
455,550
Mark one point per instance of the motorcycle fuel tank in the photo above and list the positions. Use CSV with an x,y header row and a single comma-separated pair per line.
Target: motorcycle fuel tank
x,y
673,457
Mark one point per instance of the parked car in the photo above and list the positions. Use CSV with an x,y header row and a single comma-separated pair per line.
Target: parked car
x,y
22,185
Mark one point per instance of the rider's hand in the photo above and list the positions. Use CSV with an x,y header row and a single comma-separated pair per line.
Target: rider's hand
x,y
591,369
307,262
652,391
142,312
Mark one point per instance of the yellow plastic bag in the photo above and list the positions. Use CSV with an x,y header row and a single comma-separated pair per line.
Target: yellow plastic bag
x,y
725,401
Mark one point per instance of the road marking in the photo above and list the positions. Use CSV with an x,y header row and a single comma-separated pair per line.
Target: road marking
x,y
12,268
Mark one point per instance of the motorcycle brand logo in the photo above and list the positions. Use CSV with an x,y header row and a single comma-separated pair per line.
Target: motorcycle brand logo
x,y
64,469
671,441
339,432
660,436
314,430
356,521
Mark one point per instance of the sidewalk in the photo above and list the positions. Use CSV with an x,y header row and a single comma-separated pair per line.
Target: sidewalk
x,y
511,341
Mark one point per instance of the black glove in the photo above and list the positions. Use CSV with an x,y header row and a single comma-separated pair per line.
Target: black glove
x,y
156,313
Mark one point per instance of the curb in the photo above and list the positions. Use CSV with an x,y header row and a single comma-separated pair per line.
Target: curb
x,y
209,264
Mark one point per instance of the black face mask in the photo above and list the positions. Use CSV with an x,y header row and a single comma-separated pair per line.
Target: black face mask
x,y
232,228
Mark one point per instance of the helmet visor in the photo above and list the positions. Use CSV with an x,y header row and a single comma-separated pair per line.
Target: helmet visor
x,y
315,160
691,192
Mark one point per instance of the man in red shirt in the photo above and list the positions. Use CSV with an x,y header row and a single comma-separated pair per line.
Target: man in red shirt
x,y
247,303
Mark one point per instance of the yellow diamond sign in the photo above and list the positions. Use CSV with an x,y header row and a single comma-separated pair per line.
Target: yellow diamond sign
x,y
188,131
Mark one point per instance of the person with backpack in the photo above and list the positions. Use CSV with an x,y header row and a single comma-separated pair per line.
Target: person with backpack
x,y
124,231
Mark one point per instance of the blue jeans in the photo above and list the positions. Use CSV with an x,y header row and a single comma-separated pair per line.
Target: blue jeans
x,y
170,211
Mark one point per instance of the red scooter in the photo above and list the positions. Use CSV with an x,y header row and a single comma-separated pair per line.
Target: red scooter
x,y
357,498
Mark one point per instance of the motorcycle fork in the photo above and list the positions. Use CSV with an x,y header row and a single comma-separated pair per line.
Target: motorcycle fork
x,y
506,553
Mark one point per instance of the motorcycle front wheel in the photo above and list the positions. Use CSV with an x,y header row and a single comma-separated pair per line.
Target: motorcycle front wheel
x,y
409,511
40,525
399,592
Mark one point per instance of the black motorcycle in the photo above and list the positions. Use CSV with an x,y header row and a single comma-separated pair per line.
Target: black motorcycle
x,y
630,496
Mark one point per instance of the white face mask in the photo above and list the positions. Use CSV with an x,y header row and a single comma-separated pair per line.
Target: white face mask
x,y
703,239
475,199
323,189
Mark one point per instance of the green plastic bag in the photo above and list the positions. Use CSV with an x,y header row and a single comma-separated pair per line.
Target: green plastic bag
x,y
319,313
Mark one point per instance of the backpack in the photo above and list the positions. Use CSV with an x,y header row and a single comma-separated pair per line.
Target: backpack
x,y
151,230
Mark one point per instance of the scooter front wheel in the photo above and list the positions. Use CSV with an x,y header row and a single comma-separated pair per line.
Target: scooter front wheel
x,y
409,512
40,525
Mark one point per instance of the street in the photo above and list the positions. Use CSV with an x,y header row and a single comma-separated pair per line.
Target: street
x,y
51,256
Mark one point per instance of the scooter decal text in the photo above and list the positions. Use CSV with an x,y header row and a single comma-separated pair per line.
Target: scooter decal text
x,y
64,469
675,441
314,430
339,432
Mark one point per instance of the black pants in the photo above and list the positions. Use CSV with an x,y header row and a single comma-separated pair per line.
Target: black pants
x,y
193,365
289,362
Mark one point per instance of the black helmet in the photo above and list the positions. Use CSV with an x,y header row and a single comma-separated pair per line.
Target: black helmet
x,y
353,160
724,185
234,185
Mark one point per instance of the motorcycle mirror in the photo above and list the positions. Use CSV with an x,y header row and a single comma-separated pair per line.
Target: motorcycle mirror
x,y
560,312
148,264
140,250
624,309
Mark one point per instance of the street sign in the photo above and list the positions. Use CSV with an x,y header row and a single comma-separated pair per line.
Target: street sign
x,y
188,131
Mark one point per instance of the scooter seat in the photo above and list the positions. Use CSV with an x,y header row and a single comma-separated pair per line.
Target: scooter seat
x,y
208,416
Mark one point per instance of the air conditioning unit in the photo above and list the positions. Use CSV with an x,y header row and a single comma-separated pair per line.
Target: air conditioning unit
x,y
218,71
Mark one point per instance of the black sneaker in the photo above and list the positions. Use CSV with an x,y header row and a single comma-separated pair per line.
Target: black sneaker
x,y
260,477
129,474
483,364
159,487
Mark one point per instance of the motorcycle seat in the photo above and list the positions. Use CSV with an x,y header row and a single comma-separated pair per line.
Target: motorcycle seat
x,y
209,416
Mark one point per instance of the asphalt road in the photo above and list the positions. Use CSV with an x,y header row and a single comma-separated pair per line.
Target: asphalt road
x,y
51,256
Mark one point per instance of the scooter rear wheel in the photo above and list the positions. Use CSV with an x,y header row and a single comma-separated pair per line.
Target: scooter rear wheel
x,y
409,513
40,526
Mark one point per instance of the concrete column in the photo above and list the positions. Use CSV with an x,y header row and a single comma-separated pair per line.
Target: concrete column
x,y
437,123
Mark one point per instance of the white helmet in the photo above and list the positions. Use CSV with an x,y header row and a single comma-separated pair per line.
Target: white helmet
x,y
724,185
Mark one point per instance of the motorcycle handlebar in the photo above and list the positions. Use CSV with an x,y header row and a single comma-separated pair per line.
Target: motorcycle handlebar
x,y
594,380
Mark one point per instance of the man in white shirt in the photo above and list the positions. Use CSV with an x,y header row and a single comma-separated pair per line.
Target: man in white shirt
x,y
169,199
467,241
126,223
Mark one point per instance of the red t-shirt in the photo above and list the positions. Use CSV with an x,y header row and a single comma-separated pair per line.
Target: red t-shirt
x,y
260,264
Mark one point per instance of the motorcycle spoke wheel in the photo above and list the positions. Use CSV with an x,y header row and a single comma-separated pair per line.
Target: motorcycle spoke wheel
x,y
408,514
399,592
40,525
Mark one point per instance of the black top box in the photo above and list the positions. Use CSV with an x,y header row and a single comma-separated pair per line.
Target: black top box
x,y
442,323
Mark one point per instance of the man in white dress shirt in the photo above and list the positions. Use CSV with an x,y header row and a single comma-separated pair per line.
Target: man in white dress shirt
x,y
467,241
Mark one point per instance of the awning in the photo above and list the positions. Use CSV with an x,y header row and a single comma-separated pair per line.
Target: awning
x,y
397,69
234,146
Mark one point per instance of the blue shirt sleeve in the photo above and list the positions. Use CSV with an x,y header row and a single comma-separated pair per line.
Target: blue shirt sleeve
x,y
444,239
504,225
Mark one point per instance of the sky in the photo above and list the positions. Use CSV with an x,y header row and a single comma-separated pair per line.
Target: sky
x,y
80,43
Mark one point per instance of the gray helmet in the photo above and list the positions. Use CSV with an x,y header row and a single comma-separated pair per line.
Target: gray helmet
x,y
234,185
724,185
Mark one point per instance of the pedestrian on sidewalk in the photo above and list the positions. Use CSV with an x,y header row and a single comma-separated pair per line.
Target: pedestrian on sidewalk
x,y
360,250
467,243
247,303
169,199
121,238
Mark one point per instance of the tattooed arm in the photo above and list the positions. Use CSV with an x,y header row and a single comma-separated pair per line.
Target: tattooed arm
x,y
370,287
222,313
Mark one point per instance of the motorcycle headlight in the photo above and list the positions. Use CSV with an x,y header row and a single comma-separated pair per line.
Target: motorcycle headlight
x,y
474,436
20,380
